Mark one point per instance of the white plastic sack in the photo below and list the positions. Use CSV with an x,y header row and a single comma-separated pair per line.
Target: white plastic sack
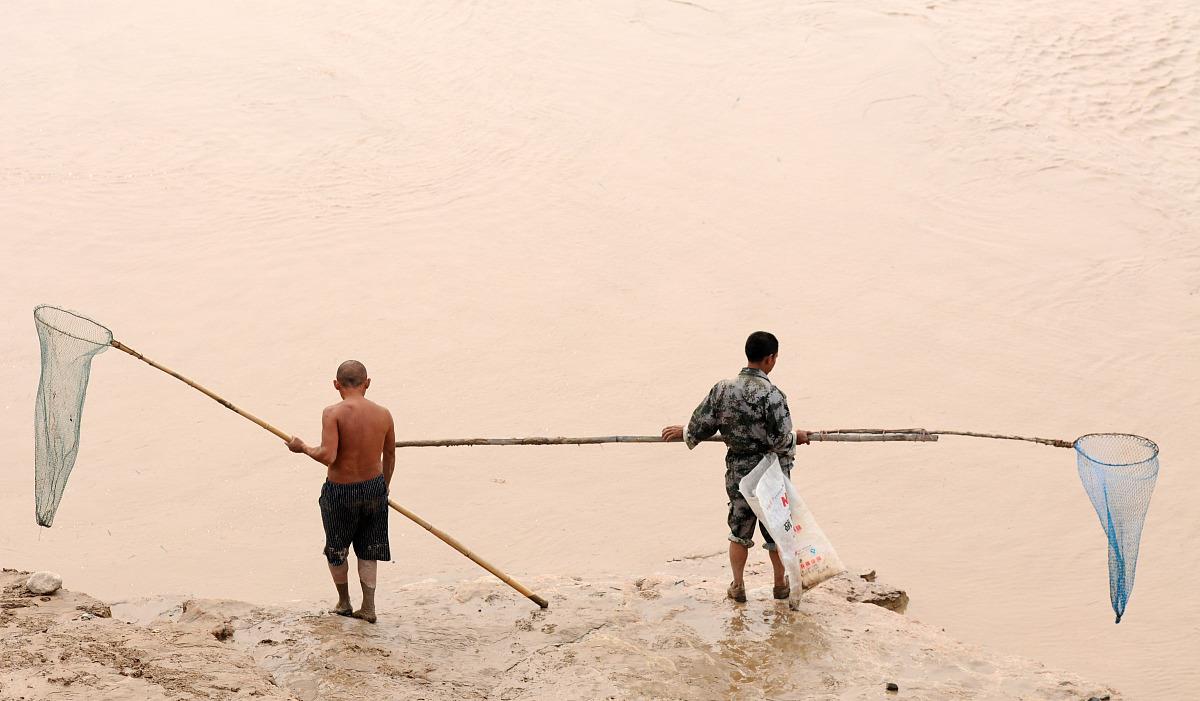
x,y
807,555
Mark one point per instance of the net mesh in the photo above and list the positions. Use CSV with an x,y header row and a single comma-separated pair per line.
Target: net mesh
x,y
69,341
1119,472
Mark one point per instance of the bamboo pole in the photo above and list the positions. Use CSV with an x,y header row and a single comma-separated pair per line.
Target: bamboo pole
x,y
190,383
453,542
1056,442
442,535
915,435
841,435
846,437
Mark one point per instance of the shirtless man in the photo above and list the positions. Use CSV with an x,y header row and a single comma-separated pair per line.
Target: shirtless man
x,y
358,444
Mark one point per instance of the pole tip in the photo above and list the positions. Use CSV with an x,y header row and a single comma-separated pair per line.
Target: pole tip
x,y
539,601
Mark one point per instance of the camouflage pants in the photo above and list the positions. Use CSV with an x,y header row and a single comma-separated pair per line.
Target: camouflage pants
x,y
741,517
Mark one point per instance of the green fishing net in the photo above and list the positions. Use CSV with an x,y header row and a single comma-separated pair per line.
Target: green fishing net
x,y
69,342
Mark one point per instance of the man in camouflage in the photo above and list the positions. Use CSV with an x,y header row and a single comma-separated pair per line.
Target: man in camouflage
x,y
753,418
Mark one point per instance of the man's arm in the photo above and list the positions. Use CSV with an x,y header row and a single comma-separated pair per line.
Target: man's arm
x,y
704,419
389,452
325,453
702,425
779,426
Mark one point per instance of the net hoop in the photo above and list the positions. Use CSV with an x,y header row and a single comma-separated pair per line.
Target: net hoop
x,y
50,316
1139,441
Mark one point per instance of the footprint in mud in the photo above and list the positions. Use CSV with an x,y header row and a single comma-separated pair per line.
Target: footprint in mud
x,y
355,647
549,628
398,673
647,589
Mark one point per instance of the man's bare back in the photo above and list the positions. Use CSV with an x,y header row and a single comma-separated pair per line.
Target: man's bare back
x,y
365,438
358,437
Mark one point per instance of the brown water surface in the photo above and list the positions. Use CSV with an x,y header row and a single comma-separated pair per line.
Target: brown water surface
x,y
549,218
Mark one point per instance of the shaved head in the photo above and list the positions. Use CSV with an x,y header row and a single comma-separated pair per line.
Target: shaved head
x,y
352,373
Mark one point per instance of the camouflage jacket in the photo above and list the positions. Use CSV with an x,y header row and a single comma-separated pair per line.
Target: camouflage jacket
x,y
753,418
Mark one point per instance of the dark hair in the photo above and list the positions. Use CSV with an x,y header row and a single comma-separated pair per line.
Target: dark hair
x,y
351,373
760,345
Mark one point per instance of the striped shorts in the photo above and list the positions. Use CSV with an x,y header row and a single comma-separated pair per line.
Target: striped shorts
x,y
355,514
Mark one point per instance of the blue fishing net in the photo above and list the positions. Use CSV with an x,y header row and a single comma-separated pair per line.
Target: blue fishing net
x,y
1119,472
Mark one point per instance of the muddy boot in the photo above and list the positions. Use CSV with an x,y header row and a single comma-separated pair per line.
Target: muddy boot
x,y
367,611
737,592
782,591
343,606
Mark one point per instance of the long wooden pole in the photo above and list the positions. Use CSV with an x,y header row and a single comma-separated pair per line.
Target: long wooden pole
x,y
841,435
1056,442
915,435
453,542
190,383
445,537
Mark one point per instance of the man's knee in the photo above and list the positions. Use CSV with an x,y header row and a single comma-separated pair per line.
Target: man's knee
x,y
744,542
337,556
741,521
768,542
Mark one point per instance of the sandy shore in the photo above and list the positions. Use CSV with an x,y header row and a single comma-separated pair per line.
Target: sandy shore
x,y
671,635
